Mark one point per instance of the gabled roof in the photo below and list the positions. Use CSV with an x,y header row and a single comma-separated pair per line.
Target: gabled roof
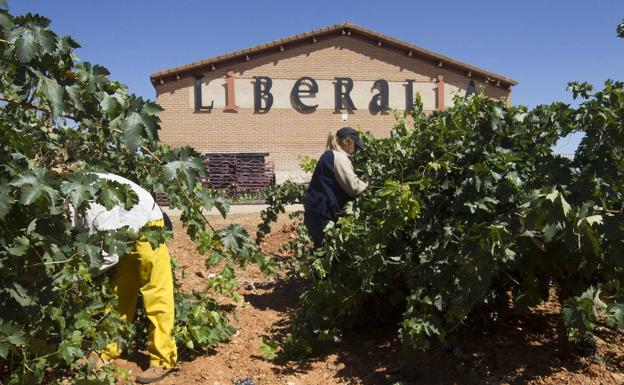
x,y
343,28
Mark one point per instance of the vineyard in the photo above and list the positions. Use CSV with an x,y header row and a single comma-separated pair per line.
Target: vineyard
x,y
61,119
474,215
470,219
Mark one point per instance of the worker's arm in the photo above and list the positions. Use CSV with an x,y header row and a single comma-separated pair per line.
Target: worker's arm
x,y
343,171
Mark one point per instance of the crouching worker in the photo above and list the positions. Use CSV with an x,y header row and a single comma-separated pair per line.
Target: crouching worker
x,y
144,269
333,183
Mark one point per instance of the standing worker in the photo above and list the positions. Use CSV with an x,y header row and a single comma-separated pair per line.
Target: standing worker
x,y
333,183
144,269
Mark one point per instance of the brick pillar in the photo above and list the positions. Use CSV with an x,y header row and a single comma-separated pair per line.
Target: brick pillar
x,y
440,94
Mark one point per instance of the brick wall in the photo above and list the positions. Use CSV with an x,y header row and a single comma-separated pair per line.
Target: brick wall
x,y
285,133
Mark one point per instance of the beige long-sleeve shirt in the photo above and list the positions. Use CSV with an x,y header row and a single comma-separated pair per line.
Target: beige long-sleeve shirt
x,y
345,176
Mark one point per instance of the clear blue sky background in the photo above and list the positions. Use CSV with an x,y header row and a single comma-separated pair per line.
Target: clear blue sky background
x,y
542,44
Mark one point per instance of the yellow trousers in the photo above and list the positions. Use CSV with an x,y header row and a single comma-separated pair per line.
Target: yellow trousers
x,y
148,271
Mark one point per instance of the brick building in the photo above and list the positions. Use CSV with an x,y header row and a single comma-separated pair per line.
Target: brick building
x,y
283,98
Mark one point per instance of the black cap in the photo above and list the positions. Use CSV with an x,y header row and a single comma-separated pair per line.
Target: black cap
x,y
348,132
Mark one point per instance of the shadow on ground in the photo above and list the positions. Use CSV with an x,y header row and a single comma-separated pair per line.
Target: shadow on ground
x,y
513,351
280,295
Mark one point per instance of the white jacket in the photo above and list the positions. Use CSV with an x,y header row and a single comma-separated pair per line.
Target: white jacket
x,y
97,218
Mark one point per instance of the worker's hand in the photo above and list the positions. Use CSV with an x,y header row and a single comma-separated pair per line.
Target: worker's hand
x,y
376,182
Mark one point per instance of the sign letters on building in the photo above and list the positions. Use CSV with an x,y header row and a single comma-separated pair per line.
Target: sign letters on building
x,y
304,92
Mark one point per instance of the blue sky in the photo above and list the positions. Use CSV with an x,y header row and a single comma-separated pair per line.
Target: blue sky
x,y
542,44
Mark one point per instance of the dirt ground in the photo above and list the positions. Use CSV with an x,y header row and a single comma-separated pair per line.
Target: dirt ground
x,y
518,351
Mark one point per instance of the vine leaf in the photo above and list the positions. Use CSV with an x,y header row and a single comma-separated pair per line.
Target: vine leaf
x,y
53,94
34,39
268,348
5,200
33,186
233,237
4,350
92,77
9,335
206,198
19,246
20,295
75,96
616,312
222,205
132,126
79,188
70,349
112,193
189,168
85,247
109,104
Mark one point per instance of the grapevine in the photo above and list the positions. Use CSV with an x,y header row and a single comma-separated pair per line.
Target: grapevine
x,y
61,119
471,209
277,198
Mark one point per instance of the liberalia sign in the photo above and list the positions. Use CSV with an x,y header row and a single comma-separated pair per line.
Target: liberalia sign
x,y
307,94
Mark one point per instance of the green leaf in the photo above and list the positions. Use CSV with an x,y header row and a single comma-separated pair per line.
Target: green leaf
x,y
616,313
11,333
20,295
5,21
113,194
510,255
206,197
82,320
590,220
79,188
34,185
69,349
17,339
190,168
223,206
32,40
215,257
268,348
93,77
550,231
32,226
565,206
233,237
4,350
31,193
110,105
19,246
132,126
116,242
86,246
6,200
53,93
75,96
151,108
156,235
